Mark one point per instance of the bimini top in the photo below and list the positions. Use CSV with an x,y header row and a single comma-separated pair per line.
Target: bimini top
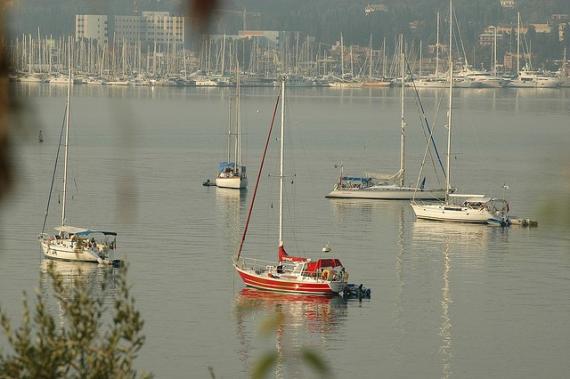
x,y
223,165
477,200
355,179
70,229
82,231
323,263
466,195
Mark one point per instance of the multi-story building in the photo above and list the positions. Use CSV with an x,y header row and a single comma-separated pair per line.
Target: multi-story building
x,y
94,27
487,38
508,4
150,27
542,28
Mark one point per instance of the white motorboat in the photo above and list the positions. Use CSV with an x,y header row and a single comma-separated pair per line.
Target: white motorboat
x,y
535,79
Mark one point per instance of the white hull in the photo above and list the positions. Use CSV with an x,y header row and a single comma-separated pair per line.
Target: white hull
x,y
544,84
442,212
235,182
387,193
428,84
345,85
63,250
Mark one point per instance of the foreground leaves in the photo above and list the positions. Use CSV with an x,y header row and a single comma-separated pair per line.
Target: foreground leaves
x,y
82,345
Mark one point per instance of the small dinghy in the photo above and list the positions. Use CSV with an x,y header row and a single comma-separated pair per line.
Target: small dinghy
x,y
353,291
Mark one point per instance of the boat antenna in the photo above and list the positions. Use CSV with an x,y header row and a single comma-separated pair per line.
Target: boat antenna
x,y
257,180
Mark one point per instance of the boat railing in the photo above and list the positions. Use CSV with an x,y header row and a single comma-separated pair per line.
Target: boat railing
x,y
257,265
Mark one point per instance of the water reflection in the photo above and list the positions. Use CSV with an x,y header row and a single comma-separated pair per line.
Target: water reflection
x,y
100,280
230,203
305,320
460,235
459,242
344,210
445,349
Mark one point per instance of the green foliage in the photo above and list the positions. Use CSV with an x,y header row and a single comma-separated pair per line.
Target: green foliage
x,y
82,345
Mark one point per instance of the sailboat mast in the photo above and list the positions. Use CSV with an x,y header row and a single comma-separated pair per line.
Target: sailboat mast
x,y
238,123
66,146
370,63
236,134
518,42
341,58
449,115
495,52
402,122
437,48
281,161
384,59
229,130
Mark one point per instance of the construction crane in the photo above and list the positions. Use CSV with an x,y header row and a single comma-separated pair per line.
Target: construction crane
x,y
242,13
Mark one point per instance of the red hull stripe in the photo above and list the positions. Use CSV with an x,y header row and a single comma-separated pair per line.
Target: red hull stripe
x,y
280,285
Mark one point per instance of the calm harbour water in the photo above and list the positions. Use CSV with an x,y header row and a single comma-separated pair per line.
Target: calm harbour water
x,y
447,300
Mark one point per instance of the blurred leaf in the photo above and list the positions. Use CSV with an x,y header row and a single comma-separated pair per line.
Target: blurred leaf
x,y
263,365
315,361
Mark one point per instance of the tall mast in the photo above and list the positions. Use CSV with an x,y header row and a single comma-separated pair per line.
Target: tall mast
x,y
421,48
449,116
370,64
495,52
518,42
351,63
236,140
384,59
224,55
402,122
281,161
229,130
238,123
437,48
341,58
66,146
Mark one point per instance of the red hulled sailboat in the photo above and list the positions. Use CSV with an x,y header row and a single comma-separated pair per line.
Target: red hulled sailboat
x,y
291,274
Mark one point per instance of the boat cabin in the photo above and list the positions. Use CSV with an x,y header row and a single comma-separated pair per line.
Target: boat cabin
x,y
228,170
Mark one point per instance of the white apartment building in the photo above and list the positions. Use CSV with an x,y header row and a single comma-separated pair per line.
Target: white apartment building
x,y
150,27
88,26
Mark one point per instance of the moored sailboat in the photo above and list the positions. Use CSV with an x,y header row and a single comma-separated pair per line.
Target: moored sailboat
x,y
231,173
71,243
465,208
288,273
381,186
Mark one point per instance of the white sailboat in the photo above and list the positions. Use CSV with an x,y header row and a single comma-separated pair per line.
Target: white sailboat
x,y
385,187
465,208
71,243
231,173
